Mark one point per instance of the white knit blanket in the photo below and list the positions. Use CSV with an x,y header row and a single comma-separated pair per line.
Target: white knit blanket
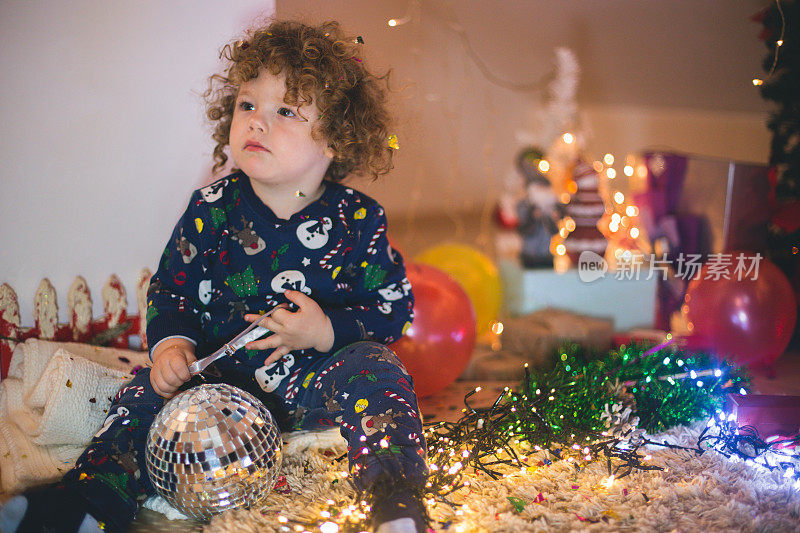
x,y
57,396
54,399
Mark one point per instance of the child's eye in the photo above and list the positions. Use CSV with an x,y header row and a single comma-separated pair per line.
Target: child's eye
x,y
246,106
286,112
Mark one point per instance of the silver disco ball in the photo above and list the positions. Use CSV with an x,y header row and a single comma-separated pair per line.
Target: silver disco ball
x,y
213,448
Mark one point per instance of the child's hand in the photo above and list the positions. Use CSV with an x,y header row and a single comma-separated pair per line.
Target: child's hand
x,y
308,327
171,366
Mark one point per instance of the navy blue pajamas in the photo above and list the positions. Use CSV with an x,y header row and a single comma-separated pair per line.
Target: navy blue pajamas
x,y
230,255
363,389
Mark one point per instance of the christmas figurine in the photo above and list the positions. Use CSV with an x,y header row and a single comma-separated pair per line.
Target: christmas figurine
x,y
537,212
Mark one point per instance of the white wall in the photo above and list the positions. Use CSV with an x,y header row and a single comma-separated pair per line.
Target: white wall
x,y
103,135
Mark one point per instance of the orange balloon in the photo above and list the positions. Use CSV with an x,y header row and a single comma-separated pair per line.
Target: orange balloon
x,y
437,347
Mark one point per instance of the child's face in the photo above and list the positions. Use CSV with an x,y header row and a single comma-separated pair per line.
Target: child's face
x,y
271,141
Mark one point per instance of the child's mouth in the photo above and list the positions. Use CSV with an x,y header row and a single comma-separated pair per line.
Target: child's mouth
x,y
254,147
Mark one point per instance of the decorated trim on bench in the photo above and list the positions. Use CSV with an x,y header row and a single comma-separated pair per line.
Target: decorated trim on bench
x,y
116,328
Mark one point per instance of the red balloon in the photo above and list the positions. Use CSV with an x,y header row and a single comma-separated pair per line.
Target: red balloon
x,y
437,347
748,320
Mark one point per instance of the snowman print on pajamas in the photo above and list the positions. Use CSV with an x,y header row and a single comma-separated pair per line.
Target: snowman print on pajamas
x,y
293,280
313,234
270,376
213,192
204,291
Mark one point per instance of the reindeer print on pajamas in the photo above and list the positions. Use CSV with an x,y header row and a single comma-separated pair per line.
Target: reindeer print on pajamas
x,y
238,257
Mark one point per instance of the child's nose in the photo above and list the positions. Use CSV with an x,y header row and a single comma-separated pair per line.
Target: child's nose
x,y
257,123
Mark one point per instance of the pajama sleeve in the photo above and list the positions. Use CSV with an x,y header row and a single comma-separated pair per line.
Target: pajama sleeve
x,y
380,306
173,298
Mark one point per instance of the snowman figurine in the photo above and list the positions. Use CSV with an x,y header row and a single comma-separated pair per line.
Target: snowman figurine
x,y
537,212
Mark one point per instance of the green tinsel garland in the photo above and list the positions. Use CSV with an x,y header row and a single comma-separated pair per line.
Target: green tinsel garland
x,y
586,407
583,409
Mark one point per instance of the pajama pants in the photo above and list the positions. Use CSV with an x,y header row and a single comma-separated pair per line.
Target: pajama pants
x,y
363,388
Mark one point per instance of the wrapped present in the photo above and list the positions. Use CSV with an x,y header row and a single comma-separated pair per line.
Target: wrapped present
x,y
692,206
494,365
769,414
532,339
534,336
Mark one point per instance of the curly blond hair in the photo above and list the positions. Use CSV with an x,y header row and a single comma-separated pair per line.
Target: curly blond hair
x,y
324,67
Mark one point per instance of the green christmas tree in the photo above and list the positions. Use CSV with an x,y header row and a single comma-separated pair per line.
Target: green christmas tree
x,y
244,283
781,35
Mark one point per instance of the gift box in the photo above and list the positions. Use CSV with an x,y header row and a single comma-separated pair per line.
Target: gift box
x,y
627,303
733,197
768,414
694,206
536,335
494,365
532,339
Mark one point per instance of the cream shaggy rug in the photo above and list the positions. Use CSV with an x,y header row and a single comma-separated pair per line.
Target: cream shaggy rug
x,y
693,493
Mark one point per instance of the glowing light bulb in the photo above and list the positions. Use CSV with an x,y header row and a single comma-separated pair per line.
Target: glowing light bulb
x,y
568,138
611,173
619,197
392,22
628,170
634,233
631,211
544,166
608,159
779,42
757,82
561,249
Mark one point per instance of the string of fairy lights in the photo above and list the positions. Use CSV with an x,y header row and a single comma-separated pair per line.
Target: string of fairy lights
x,y
588,408
778,44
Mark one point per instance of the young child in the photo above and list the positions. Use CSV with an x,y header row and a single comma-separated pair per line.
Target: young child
x,y
299,112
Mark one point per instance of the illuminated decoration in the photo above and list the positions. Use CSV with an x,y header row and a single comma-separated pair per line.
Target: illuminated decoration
x,y
543,166
586,409
778,42
590,413
412,12
627,242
